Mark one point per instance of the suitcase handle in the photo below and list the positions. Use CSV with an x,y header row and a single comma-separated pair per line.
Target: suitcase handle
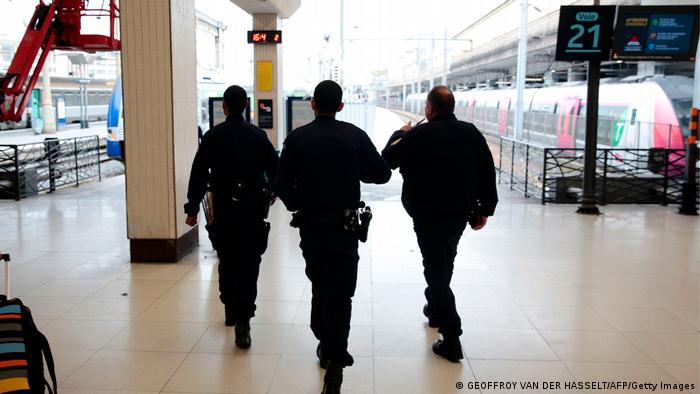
x,y
6,259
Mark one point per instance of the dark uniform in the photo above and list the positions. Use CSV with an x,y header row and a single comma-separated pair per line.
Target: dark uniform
x,y
243,163
448,177
319,176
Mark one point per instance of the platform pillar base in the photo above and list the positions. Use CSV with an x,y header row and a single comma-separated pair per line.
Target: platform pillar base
x,y
164,250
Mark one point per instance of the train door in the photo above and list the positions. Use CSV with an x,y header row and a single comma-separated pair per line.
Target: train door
x,y
503,111
566,122
471,104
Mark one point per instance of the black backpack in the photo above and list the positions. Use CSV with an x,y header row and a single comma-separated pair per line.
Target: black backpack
x,y
23,349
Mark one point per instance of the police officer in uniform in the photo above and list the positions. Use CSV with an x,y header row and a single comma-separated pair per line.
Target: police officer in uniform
x,y
449,182
239,163
319,175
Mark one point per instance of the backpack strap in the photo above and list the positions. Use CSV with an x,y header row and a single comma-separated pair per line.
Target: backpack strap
x,y
48,357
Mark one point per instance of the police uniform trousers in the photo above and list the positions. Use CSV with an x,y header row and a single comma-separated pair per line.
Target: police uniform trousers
x,y
331,258
241,236
438,238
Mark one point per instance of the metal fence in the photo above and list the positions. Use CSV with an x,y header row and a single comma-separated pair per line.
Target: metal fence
x,y
29,169
623,176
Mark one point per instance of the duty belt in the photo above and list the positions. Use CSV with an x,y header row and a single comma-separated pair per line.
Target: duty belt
x,y
355,221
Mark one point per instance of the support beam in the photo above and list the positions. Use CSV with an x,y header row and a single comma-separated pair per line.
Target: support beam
x,y
160,125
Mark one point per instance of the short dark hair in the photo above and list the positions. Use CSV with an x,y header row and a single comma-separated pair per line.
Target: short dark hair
x,y
442,100
328,95
236,99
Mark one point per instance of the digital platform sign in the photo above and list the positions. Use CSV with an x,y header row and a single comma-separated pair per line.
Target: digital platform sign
x,y
264,37
656,33
585,33
265,114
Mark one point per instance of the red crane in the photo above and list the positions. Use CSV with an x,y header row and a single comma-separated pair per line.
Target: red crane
x,y
55,25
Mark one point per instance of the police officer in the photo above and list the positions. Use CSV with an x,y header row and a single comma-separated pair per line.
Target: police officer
x,y
449,182
319,175
243,163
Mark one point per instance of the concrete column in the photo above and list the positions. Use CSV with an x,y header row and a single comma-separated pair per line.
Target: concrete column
x,y
160,125
403,97
263,54
48,112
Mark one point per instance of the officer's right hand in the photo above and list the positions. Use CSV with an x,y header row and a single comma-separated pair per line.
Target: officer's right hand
x,y
407,127
191,221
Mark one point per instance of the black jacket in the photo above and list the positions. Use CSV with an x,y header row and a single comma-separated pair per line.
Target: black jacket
x,y
235,152
322,164
447,168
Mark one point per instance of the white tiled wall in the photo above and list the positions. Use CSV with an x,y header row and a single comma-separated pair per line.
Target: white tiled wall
x,y
158,59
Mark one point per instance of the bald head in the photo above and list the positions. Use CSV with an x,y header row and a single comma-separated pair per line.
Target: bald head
x,y
441,100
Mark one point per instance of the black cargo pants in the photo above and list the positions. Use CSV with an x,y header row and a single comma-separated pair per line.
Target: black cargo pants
x,y
241,237
331,264
438,239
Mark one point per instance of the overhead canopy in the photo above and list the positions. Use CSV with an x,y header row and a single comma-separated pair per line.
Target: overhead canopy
x,y
283,8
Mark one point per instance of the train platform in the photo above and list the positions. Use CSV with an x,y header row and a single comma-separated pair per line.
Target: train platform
x,y
544,294
28,136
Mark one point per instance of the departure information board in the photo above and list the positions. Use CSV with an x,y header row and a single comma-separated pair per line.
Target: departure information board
x,y
585,32
656,33
264,37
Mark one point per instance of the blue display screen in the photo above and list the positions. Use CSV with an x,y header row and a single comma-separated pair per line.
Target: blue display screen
x,y
651,33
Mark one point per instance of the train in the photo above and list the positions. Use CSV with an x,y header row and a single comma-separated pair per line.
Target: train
x,y
638,113
115,113
65,95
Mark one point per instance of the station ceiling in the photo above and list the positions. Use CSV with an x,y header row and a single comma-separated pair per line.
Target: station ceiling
x,y
283,8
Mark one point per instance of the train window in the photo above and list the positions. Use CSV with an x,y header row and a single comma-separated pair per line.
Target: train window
x,y
633,120
543,108
613,112
683,108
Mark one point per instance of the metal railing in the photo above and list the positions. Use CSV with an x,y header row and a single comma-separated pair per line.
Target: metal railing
x,y
29,169
623,176
523,162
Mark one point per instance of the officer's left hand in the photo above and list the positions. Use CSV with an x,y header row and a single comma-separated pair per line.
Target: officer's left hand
x,y
191,221
407,127
480,223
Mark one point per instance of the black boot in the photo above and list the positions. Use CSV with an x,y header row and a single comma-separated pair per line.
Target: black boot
x,y
243,335
333,379
230,319
322,360
431,317
449,348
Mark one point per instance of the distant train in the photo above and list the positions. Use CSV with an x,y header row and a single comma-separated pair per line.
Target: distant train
x,y
653,113
115,113
65,96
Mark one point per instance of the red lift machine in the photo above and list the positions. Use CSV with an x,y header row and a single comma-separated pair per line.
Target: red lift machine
x,y
55,26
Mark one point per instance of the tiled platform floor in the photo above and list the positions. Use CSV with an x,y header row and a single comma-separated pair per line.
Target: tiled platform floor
x,y
544,294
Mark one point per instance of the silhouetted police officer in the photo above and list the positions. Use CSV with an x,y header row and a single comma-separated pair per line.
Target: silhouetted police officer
x,y
243,163
449,181
319,176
